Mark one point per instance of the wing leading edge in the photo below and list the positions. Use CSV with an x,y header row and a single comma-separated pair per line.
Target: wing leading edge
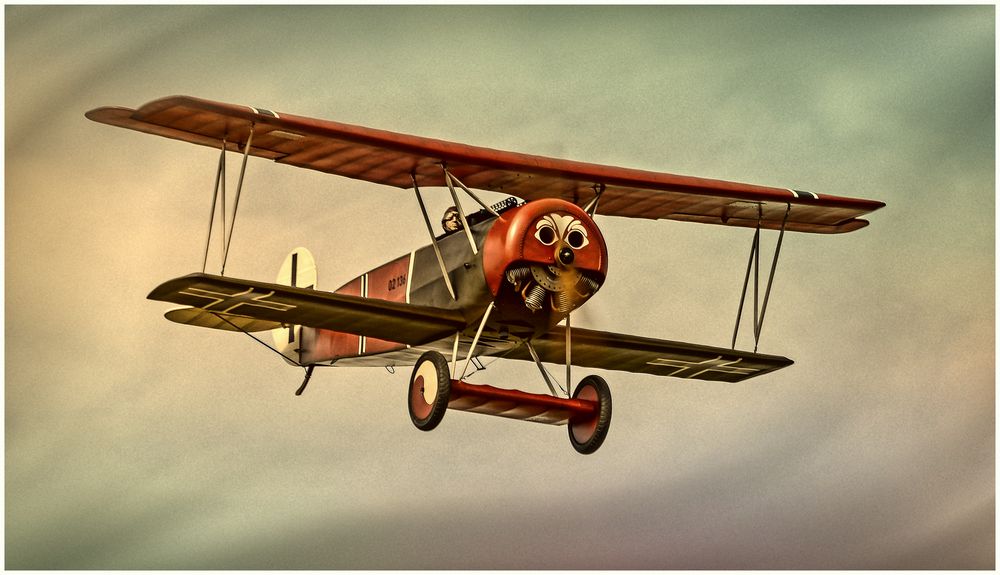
x,y
391,158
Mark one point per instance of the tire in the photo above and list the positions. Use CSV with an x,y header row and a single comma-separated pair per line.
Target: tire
x,y
588,435
430,388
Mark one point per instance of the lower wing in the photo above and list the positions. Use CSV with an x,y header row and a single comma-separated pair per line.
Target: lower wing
x,y
615,351
245,305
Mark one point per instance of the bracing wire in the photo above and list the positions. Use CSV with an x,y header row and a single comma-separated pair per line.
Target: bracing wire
x,y
257,339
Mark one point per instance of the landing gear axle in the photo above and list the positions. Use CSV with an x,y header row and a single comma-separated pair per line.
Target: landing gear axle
x,y
432,391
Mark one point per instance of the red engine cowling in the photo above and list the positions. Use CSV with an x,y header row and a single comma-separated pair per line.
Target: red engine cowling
x,y
542,260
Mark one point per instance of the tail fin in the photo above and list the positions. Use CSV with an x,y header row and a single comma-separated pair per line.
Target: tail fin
x,y
298,270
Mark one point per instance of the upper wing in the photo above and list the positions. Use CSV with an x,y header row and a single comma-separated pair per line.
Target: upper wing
x,y
621,352
390,158
238,303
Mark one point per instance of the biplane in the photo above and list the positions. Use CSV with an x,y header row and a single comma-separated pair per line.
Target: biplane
x,y
502,281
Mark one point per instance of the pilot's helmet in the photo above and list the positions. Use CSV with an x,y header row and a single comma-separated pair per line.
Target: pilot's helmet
x,y
450,221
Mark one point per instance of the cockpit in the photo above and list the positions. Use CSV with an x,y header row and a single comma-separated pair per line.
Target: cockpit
x,y
451,222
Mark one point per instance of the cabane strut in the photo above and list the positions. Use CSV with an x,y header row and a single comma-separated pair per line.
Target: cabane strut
x,y
430,231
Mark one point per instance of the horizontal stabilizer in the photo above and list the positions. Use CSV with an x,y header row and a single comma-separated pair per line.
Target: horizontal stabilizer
x,y
280,305
620,352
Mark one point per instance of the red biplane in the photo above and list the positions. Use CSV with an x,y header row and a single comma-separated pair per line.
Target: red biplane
x,y
496,282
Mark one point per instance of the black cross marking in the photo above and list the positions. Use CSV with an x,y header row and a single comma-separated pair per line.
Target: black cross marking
x,y
690,369
226,303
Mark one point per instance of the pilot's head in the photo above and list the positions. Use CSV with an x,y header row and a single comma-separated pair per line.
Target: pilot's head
x,y
450,221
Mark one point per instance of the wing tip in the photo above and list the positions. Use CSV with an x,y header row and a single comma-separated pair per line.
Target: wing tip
x,y
160,292
109,114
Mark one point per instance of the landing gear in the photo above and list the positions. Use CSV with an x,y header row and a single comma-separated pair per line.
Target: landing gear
x,y
430,388
587,434
432,391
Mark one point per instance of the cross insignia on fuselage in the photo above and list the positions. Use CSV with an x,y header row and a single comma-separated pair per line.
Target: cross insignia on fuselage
x,y
693,369
227,303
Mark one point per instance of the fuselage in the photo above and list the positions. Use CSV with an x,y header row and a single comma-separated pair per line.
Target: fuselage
x,y
535,263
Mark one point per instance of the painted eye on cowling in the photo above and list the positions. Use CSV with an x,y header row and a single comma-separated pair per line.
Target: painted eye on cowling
x,y
553,227
576,239
576,235
546,233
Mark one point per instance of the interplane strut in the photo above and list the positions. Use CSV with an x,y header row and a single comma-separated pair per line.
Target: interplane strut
x,y
759,308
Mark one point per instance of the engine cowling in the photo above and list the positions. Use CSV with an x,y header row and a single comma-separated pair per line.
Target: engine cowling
x,y
542,260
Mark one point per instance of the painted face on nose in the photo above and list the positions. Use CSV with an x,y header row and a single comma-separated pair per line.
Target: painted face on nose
x,y
548,256
565,233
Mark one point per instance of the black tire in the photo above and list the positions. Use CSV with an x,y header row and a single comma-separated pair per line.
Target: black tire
x,y
588,435
427,404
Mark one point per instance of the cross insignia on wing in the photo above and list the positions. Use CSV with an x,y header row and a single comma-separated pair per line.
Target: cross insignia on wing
x,y
693,369
227,303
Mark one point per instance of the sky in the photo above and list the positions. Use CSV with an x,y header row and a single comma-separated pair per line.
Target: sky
x,y
135,443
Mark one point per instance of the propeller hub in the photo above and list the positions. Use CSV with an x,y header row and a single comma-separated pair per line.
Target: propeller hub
x,y
565,256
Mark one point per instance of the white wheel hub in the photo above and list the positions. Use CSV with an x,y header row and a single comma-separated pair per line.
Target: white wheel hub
x,y
428,372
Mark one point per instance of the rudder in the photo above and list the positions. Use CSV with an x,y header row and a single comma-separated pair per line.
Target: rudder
x,y
298,270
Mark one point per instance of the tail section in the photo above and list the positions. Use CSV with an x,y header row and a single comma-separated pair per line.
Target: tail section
x,y
298,270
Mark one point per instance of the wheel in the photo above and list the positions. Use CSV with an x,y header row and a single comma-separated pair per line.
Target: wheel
x,y
588,435
430,387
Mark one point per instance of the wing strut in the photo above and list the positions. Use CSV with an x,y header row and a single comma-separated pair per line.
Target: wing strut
x,y
219,200
451,177
461,212
541,368
451,180
759,309
591,207
220,178
475,340
569,358
454,356
434,243
236,202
